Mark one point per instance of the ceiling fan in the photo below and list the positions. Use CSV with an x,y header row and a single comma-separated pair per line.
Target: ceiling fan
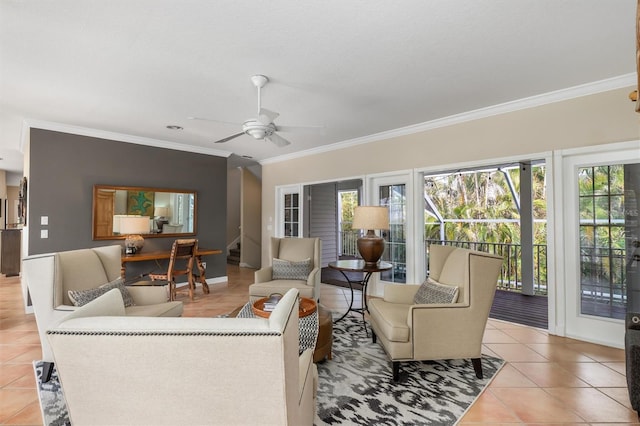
x,y
261,127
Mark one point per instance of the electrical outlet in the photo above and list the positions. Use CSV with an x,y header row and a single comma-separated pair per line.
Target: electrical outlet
x,y
204,265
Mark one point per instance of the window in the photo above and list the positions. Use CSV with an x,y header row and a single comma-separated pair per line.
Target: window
x,y
601,208
292,215
394,197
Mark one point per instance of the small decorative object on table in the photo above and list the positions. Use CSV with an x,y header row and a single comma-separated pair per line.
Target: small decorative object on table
x,y
263,307
271,302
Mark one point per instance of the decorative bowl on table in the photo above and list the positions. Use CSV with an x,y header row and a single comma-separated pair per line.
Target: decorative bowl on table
x,y
306,307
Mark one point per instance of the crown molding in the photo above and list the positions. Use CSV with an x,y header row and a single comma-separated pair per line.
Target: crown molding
x,y
120,137
600,86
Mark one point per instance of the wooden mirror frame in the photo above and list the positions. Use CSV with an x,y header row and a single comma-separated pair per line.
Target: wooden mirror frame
x,y
99,190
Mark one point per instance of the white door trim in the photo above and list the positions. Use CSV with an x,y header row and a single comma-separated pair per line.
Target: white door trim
x,y
606,331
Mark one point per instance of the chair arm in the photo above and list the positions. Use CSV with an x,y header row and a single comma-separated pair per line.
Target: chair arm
x,y
400,293
263,275
65,308
449,330
305,361
313,280
307,387
148,295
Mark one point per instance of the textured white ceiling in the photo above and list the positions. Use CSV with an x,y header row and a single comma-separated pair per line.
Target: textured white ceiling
x,y
356,68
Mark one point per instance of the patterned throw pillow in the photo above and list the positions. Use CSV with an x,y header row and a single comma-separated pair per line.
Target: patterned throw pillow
x,y
82,297
433,292
288,270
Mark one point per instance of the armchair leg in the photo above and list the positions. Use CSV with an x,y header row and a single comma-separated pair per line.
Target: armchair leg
x,y
395,366
47,370
374,338
477,367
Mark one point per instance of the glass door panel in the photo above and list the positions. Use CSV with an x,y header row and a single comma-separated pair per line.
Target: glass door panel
x,y
292,215
394,197
602,241
601,237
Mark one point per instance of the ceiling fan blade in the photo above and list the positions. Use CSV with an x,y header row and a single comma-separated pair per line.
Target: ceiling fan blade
x,y
266,116
211,120
307,130
227,139
278,140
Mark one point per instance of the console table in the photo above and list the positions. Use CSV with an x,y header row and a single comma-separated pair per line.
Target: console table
x,y
358,265
166,254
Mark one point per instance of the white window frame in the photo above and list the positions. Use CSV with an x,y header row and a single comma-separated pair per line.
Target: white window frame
x,y
371,197
281,191
571,322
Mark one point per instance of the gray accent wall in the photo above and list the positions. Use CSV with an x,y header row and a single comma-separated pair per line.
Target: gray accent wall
x,y
64,168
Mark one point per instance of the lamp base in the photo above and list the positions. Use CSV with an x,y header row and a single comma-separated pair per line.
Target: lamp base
x,y
371,249
135,241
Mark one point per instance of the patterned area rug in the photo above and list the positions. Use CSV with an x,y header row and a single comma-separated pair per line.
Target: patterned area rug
x,y
52,404
356,387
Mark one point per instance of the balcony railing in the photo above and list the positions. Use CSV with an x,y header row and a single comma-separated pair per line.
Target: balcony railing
x,y
603,275
511,274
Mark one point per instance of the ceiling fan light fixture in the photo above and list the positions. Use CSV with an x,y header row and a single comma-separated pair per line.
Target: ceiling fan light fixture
x,y
257,133
258,130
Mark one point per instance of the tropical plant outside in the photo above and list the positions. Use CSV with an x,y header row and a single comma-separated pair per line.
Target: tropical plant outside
x,y
479,206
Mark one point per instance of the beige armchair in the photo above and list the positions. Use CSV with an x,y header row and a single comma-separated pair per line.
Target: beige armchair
x,y
416,332
49,277
294,250
117,370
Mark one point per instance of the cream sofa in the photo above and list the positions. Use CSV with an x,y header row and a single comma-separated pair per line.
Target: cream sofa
x,y
116,370
408,331
49,277
295,250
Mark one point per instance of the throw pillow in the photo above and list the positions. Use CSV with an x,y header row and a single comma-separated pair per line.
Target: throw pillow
x,y
433,292
288,270
119,284
82,297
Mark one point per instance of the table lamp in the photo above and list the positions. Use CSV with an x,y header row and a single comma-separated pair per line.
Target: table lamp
x,y
132,227
159,213
370,218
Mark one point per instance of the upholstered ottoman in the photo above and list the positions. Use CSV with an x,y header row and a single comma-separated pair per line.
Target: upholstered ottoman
x,y
325,335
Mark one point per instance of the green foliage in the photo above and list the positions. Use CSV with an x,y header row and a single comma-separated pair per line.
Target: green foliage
x,y
482,205
349,201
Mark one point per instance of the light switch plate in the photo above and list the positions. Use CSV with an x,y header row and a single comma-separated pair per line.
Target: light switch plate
x,y
44,220
44,233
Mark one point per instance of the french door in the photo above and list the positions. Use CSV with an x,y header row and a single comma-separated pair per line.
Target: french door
x,y
289,219
601,235
395,192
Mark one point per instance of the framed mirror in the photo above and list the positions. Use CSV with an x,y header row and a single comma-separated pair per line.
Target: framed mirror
x,y
152,212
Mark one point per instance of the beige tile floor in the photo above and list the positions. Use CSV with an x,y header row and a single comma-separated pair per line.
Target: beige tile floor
x,y
546,379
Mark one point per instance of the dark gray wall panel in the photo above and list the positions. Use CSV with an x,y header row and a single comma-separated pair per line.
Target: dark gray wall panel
x,y
64,167
323,222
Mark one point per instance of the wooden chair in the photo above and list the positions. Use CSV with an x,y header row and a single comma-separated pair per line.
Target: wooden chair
x,y
186,250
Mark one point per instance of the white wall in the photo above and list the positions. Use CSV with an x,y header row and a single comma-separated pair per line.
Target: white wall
x,y
606,117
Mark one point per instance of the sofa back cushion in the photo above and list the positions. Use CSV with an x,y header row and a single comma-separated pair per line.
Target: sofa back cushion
x,y
77,270
455,272
296,249
111,258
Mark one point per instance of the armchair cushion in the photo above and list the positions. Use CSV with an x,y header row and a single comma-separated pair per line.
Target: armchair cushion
x,y
290,270
82,297
433,292
305,253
